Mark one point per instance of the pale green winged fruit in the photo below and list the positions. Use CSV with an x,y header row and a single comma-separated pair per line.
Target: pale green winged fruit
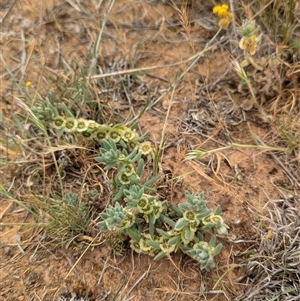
x,y
58,122
71,124
82,125
127,134
135,245
99,134
133,144
114,134
87,135
145,148
123,178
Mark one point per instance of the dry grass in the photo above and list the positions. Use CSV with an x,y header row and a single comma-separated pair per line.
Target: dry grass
x,y
141,61
272,273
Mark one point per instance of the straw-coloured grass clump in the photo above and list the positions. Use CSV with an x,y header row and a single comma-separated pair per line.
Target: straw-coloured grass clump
x,y
273,272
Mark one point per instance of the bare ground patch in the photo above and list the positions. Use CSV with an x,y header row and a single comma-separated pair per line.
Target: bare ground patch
x,y
48,44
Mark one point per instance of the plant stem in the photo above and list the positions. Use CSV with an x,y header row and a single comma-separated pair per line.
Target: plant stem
x,y
247,146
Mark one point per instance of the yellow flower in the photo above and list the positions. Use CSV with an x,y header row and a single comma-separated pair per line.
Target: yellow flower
x,y
216,9
225,16
221,10
27,84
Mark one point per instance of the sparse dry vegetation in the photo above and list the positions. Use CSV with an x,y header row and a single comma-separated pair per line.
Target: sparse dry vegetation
x,y
213,86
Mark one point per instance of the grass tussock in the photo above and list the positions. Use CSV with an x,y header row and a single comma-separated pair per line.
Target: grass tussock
x,y
126,68
272,273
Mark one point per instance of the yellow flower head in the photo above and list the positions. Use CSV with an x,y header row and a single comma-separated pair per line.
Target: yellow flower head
x,y
27,84
221,10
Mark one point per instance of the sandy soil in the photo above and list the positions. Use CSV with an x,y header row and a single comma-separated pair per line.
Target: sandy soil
x,y
36,37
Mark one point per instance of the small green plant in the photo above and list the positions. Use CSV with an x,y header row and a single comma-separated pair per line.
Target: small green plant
x,y
153,227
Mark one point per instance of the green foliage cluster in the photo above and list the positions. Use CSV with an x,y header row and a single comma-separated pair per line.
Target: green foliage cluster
x,y
154,227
